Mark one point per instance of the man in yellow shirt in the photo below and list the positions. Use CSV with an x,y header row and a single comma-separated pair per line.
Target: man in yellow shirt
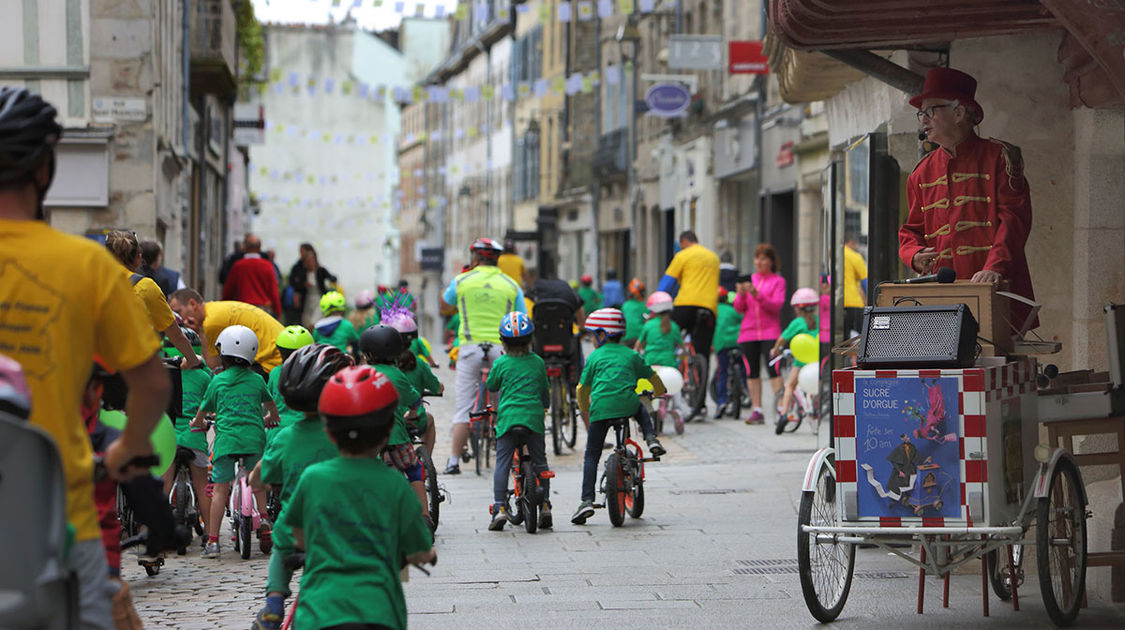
x,y
855,271
693,278
511,263
63,300
208,319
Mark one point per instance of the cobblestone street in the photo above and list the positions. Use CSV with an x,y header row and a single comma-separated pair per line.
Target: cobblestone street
x,y
715,549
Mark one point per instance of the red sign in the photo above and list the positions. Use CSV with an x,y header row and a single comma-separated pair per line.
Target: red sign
x,y
747,58
785,154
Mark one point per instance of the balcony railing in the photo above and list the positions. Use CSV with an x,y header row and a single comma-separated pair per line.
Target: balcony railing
x,y
213,36
609,158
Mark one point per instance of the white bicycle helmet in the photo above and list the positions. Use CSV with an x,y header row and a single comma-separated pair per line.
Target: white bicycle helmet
x,y
238,341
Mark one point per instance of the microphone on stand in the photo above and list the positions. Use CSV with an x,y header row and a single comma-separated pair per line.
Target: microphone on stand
x,y
921,136
944,275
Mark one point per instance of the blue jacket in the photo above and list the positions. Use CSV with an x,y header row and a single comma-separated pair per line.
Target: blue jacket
x,y
613,294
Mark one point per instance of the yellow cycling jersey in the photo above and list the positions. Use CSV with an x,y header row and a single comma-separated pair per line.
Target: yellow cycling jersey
x,y
696,269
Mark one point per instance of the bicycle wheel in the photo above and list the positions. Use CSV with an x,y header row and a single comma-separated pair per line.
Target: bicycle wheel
x,y
530,499
475,438
825,566
433,492
570,418
695,383
1061,545
635,497
615,489
734,391
556,414
794,415
245,536
998,571
181,498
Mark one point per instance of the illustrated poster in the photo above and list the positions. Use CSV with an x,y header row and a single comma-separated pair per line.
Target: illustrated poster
x,y
907,447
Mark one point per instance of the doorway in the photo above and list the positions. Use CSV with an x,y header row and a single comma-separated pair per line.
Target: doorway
x,y
779,226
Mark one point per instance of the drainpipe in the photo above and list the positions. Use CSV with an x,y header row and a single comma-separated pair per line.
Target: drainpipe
x,y
185,125
596,181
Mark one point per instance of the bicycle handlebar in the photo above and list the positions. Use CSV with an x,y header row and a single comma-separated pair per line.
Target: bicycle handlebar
x,y
784,354
142,461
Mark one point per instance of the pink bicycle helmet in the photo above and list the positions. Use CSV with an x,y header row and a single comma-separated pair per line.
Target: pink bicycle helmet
x,y
15,395
364,299
805,297
659,302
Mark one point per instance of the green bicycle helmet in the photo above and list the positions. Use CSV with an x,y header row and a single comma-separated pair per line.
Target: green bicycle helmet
x,y
332,302
294,337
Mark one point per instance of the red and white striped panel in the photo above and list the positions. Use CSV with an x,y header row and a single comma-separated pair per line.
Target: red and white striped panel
x,y
1011,379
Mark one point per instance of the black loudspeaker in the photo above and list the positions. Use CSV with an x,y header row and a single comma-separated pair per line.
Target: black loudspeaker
x,y
918,337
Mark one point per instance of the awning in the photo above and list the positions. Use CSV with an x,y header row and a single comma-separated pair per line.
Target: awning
x,y
804,76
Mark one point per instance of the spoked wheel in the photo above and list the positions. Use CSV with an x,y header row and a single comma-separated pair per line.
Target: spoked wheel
x,y
557,413
530,500
793,417
825,566
734,391
695,383
236,529
998,571
245,534
1061,545
475,439
181,498
570,420
433,492
635,497
615,490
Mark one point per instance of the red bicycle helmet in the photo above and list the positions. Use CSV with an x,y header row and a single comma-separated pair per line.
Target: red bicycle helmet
x,y
722,294
587,279
305,372
357,391
486,247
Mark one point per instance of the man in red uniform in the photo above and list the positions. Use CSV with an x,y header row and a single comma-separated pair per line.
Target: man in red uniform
x,y
970,206
253,279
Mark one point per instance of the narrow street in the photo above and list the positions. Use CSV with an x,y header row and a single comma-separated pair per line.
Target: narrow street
x,y
714,549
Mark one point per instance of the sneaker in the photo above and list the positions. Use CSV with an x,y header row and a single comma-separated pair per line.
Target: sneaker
x,y
454,469
266,620
719,411
545,520
210,551
654,446
756,417
499,519
585,510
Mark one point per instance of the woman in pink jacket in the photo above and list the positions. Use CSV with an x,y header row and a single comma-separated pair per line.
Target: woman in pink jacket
x,y
760,300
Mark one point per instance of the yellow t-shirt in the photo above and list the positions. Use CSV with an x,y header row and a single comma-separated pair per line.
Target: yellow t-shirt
x,y
63,299
221,314
512,265
696,269
855,270
155,304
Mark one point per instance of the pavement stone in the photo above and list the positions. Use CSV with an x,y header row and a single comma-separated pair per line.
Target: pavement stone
x,y
724,497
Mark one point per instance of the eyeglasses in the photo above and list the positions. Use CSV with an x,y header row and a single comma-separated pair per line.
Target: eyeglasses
x,y
928,112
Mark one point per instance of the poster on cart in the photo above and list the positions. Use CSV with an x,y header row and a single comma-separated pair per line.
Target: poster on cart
x,y
907,447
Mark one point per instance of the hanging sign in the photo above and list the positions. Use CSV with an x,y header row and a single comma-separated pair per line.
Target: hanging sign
x,y
747,58
668,100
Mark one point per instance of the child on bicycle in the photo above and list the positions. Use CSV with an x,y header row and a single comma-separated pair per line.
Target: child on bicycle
x,y
606,392
381,346
520,377
635,312
661,341
300,379
417,372
333,329
194,384
289,341
354,516
236,396
728,324
806,302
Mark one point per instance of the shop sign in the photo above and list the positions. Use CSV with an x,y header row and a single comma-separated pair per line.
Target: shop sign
x,y
667,100
747,58
432,258
785,154
695,52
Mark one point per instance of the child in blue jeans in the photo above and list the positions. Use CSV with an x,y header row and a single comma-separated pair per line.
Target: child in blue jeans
x,y
521,378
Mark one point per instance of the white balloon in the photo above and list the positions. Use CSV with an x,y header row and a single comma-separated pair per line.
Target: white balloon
x,y
808,379
671,377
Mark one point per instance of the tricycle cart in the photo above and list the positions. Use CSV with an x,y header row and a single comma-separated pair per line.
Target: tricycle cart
x,y
947,461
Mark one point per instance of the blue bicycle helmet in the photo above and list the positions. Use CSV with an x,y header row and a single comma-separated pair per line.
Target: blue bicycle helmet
x,y
516,325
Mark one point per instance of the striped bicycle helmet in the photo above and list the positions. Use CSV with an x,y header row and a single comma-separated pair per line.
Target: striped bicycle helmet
x,y
608,320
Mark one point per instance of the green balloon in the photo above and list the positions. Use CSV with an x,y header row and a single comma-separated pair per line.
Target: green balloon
x,y
163,438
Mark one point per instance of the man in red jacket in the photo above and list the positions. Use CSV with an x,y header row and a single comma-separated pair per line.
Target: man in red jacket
x,y
970,205
253,279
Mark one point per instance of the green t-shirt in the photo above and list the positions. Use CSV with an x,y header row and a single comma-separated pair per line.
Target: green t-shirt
x,y
591,299
287,416
194,385
660,349
417,348
727,326
338,332
423,379
796,327
522,383
634,312
295,448
611,373
360,518
236,395
372,319
408,398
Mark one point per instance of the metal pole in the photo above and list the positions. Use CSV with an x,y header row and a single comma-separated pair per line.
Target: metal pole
x,y
631,155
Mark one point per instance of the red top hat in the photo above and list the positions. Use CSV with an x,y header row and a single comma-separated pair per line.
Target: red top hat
x,y
949,84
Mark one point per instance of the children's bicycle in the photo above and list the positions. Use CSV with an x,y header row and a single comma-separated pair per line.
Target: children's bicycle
x,y
244,517
185,505
803,405
738,396
666,404
693,367
435,493
526,494
622,482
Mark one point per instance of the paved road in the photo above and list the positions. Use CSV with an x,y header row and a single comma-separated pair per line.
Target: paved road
x,y
715,549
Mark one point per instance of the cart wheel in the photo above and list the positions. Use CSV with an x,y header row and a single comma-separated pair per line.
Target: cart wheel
x,y
1060,544
998,571
825,566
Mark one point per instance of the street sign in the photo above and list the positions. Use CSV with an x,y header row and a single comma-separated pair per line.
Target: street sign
x,y
111,109
668,100
249,124
695,52
747,58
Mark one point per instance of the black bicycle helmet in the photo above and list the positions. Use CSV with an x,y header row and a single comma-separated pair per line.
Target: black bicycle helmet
x,y
28,132
306,371
381,343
